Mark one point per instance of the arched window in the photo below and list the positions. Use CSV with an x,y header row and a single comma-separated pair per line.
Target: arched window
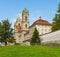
x,y
26,25
19,24
26,18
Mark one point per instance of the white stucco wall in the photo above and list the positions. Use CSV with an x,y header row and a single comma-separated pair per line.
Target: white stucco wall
x,y
53,37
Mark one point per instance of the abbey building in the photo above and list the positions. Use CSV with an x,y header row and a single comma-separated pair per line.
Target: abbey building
x,y
23,31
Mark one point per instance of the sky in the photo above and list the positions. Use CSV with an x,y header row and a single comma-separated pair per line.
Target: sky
x,y
11,9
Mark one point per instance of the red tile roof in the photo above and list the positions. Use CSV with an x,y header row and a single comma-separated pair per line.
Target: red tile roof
x,y
42,22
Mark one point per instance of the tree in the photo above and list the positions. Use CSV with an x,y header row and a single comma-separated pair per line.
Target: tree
x,y
7,31
35,40
0,31
11,40
56,20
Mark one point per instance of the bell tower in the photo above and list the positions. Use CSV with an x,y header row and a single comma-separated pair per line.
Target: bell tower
x,y
25,20
21,27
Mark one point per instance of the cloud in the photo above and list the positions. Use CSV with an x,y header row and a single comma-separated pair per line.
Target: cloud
x,y
13,20
19,15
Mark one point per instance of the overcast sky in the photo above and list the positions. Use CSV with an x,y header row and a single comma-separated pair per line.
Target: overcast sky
x,y
12,8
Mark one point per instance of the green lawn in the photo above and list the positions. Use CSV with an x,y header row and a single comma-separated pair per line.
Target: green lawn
x,y
29,51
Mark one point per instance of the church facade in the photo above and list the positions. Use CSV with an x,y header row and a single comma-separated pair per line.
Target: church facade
x,y
21,26
23,31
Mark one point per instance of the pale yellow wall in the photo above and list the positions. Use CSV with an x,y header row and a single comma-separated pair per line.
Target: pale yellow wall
x,y
16,37
43,29
32,30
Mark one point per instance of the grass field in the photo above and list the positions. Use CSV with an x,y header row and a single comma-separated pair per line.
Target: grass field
x,y
29,51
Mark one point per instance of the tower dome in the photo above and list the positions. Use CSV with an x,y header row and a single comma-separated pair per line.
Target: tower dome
x,y
25,11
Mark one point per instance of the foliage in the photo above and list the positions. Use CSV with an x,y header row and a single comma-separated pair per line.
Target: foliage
x,y
11,40
6,31
35,40
56,20
1,32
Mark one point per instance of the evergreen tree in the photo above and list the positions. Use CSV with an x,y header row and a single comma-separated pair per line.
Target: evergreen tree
x,y
35,40
56,20
0,31
7,31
